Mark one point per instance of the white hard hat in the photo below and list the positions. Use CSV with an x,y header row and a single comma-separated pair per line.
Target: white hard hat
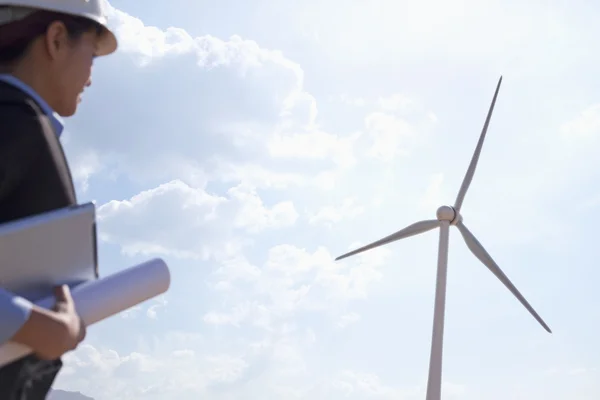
x,y
14,10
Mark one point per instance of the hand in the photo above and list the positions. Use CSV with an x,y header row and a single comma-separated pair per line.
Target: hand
x,y
52,333
70,328
65,308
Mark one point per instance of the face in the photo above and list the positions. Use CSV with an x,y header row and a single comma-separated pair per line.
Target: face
x,y
70,67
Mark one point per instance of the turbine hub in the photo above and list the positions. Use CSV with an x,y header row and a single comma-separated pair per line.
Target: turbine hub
x,y
446,213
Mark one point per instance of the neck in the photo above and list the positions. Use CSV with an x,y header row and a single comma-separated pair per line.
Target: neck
x,y
34,78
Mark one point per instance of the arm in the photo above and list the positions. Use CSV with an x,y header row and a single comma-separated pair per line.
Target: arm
x,y
14,313
49,333
26,323
40,331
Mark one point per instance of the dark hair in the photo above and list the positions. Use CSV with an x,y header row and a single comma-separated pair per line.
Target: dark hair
x,y
16,37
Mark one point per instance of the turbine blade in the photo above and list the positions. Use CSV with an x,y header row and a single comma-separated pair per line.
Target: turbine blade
x,y
473,165
411,230
479,252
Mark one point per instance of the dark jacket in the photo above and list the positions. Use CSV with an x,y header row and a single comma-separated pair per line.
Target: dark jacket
x,y
34,174
34,178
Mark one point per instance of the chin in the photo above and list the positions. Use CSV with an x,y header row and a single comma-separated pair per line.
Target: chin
x,y
67,110
67,113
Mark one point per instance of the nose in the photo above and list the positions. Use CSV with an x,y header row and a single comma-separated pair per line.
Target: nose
x,y
89,82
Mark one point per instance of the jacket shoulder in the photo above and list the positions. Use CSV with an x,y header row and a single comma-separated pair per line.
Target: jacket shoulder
x,y
21,118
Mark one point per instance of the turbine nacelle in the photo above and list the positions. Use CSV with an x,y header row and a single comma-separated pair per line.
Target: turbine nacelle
x,y
449,214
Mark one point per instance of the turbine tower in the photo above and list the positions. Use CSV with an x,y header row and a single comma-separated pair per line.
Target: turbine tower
x,y
447,216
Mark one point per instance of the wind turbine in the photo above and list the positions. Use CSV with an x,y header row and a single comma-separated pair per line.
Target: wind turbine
x,y
447,216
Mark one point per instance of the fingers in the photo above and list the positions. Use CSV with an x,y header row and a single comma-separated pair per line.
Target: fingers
x,y
63,293
81,336
82,331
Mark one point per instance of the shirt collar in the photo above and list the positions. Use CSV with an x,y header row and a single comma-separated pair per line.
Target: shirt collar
x,y
56,120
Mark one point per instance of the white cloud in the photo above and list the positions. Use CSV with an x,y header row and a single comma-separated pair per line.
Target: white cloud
x,y
433,197
585,126
179,365
359,385
314,144
292,281
255,114
254,313
242,114
328,215
350,100
393,132
396,102
153,310
348,319
176,219
254,217
84,166
390,135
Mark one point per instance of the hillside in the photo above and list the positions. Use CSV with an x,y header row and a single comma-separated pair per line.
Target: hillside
x,y
64,395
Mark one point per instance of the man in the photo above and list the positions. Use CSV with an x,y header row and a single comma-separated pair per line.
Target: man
x,y
47,49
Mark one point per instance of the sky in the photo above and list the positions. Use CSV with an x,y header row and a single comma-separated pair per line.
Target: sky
x,y
250,143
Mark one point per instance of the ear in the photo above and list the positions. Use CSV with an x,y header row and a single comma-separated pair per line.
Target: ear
x,y
56,40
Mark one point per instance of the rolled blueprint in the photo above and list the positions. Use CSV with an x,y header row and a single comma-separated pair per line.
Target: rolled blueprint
x,y
105,297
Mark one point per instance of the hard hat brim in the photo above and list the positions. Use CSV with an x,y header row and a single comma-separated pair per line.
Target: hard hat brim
x,y
107,43
15,10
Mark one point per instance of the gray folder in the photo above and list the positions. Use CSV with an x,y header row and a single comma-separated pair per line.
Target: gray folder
x,y
49,249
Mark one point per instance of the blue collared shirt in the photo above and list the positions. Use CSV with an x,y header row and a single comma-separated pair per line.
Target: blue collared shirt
x,y
57,122
15,310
